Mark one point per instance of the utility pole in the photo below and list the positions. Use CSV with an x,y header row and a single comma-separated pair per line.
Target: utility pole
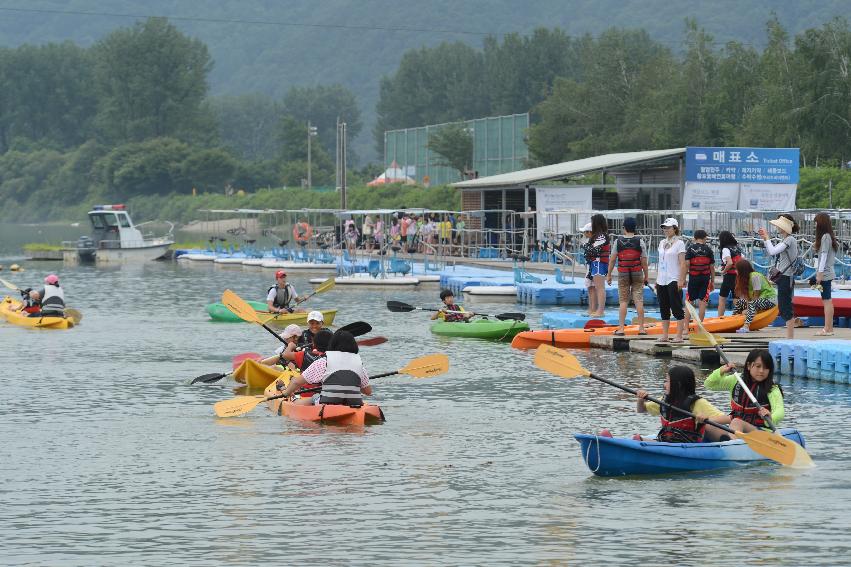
x,y
311,132
341,162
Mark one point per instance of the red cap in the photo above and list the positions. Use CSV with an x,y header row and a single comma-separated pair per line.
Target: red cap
x,y
280,274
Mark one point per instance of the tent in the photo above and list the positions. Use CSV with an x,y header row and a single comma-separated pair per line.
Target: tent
x,y
393,174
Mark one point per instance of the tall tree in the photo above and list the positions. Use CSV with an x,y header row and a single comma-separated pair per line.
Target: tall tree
x,y
248,124
322,106
151,80
454,144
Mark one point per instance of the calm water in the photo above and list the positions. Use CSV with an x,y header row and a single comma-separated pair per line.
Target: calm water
x,y
110,457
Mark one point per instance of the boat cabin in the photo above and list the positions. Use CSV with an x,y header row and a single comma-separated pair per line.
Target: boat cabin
x,y
113,228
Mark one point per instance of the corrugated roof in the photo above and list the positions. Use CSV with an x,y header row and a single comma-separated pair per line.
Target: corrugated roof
x,y
567,169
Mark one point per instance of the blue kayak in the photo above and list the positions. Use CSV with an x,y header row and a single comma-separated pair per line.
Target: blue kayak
x,y
617,456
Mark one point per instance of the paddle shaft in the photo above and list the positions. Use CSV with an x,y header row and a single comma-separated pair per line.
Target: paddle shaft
x,y
319,388
661,403
766,419
474,314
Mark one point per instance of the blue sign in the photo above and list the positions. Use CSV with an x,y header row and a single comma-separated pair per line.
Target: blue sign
x,y
743,165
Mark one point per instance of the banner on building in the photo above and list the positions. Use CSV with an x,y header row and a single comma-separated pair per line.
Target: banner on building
x,y
711,196
767,197
569,198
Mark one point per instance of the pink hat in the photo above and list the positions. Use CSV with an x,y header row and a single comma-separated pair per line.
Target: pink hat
x,y
51,279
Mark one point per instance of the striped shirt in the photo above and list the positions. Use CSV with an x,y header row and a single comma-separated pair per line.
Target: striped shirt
x,y
315,373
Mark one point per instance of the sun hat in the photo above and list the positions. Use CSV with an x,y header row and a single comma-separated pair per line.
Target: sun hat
x,y
315,316
670,221
280,274
783,224
291,331
51,279
586,228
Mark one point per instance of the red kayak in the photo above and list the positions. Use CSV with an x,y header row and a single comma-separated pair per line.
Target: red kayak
x,y
808,303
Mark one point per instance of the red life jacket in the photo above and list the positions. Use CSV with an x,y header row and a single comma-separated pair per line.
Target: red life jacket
x,y
735,256
699,263
678,427
605,250
453,317
629,254
743,407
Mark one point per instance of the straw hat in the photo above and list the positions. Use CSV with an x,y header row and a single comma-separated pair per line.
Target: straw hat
x,y
783,224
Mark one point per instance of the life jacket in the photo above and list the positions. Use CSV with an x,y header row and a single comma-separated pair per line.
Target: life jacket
x,y
629,254
341,383
53,300
699,257
453,317
282,296
742,406
30,305
306,339
601,254
308,357
678,427
735,256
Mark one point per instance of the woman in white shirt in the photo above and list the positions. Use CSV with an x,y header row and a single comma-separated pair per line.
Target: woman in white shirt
x,y
671,278
367,229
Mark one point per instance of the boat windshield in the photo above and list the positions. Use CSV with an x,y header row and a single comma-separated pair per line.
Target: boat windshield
x,y
104,220
124,220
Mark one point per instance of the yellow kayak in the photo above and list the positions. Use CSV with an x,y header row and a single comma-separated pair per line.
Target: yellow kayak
x,y
7,311
258,376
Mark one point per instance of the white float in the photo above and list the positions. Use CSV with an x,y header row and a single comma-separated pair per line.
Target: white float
x,y
368,280
496,290
290,265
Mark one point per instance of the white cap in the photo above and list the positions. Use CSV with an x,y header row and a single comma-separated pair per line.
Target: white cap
x,y
291,331
586,228
670,221
315,316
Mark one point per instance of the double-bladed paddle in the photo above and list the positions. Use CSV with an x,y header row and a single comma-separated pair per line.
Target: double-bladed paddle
x,y
769,445
423,367
399,307
321,288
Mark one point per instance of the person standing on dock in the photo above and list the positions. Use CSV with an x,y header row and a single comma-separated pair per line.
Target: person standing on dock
x,y
671,279
783,274
730,254
630,255
599,250
826,246
700,262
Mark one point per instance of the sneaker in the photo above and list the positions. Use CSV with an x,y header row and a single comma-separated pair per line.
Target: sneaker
x,y
637,437
605,433
743,330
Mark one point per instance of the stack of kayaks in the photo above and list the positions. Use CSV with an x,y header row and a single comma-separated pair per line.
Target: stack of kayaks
x,y
367,414
218,312
616,456
481,329
582,337
8,311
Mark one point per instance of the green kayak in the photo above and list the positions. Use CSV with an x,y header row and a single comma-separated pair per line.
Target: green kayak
x,y
481,329
218,312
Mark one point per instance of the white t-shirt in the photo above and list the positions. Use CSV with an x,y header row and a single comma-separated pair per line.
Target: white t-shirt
x,y
669,260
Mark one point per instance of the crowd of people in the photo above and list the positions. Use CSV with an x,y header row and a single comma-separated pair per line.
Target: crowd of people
x,y
423,233
692,267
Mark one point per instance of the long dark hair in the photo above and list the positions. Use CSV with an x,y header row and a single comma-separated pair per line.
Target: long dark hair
x,y
599,226
744,269
824,226
344,341
765,357
682,386
726,239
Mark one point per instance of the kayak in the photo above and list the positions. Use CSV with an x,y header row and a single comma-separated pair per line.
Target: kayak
x,y
582,337
480,329
257,376
808,303
367,414
617,456
7,311
218,312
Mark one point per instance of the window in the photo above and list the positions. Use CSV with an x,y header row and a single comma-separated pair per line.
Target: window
x,y
97,221
110,220
125,222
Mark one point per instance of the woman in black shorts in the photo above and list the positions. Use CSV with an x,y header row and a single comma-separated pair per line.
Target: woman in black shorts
x,y
730,254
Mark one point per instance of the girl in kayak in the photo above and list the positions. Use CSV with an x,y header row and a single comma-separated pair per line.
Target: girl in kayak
x,y
340,372
679,392
758,376
450,312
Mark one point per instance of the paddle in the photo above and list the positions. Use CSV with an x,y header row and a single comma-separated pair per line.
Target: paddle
x,y
712,340
423,367
767,444
73,314
321,288
244,311
399,307
372,341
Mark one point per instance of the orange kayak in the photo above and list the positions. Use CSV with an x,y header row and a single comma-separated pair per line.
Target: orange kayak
x,y
581,338
367,414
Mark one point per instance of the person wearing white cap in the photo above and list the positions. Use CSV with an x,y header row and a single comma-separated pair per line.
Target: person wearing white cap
x,y
786,252
671,279
282,354
589,280
315,321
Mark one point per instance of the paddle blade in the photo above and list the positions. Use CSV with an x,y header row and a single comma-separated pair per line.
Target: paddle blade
x,y
208,378
357,328
237,406
8,284
711,340
700,335
372,341
239,307
427,366
777,448
511,316
399,307
559,362
74,315
325,286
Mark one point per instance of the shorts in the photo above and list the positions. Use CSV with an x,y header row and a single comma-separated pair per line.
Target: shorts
x,y
826,289
728,285
631,285
598,268
698,288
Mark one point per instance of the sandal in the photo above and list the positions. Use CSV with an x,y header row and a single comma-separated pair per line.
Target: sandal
x,y
621,333
824,333
677,341
642,331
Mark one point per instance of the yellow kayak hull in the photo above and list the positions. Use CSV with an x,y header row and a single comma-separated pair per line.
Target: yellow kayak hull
x,y
258,376
7,311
